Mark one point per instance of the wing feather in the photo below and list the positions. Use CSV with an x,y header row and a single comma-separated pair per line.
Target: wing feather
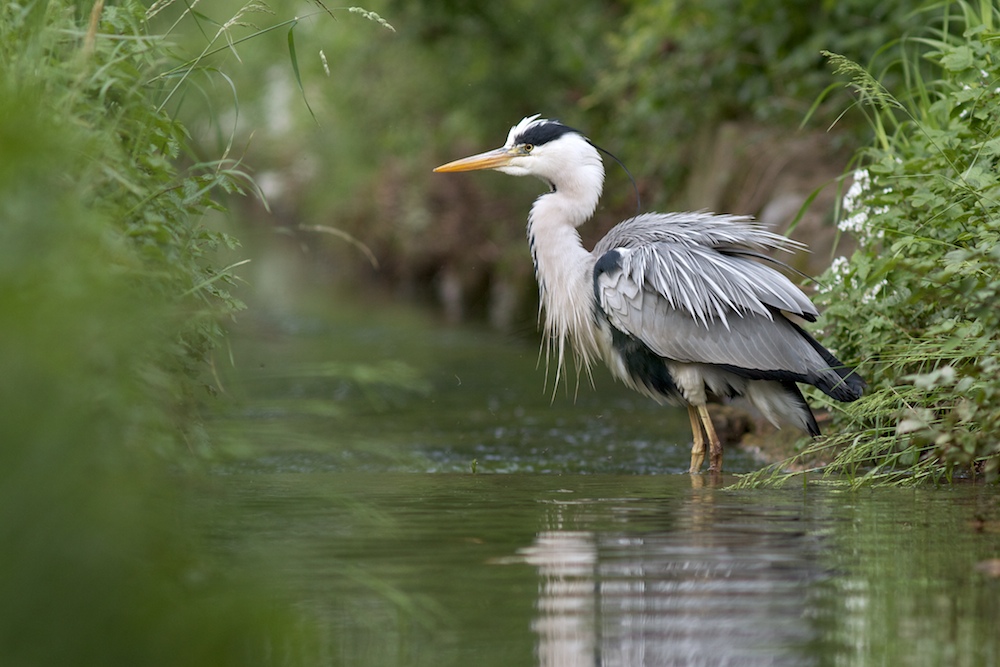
x,y
691,288
707,264
764,346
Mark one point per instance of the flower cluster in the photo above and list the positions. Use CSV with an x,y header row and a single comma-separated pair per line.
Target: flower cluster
x,y
857,213
838,278
841,279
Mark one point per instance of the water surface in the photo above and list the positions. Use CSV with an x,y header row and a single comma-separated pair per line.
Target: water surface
x,y
346,457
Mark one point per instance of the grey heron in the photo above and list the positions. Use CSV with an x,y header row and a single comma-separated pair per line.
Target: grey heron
x,y
682,307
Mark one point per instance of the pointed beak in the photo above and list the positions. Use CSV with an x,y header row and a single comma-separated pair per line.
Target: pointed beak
x,y
494,159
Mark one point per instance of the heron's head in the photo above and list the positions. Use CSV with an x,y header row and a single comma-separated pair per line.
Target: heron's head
x,y
553,152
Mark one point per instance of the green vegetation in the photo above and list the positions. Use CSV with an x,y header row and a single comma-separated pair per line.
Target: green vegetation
x,y
113,284
653,82
91,184
649,81
916,304
110,296
679,69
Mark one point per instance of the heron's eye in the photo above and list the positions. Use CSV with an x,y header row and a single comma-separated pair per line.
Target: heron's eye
x,y
528,148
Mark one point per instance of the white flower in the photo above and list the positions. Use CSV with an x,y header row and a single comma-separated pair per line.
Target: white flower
x,y
862,180
841,280
872,293
838,266
857,213
838,274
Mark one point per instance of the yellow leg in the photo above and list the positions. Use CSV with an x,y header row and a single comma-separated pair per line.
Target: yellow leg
x,y
698,448
715,456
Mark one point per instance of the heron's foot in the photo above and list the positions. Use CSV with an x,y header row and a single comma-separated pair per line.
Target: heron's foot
x,y
715,445
697,458
715,459
698,446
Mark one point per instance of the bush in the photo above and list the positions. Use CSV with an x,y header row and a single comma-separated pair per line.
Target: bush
x,y
102,138
916,304
679,69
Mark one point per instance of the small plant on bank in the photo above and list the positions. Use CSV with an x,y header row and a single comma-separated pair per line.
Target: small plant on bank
x,y
916,305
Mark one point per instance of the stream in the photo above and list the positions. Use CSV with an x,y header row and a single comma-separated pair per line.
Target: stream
x,y
425,496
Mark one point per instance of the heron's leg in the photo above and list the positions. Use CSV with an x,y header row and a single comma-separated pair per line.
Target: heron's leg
x,y
698,448
715,460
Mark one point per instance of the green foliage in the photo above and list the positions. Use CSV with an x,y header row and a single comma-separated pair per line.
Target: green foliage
x,y
95,82
110,295
680,68
388,106
649,81
917,302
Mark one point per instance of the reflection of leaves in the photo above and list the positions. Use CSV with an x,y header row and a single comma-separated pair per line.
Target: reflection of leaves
x,y
390,372
306,407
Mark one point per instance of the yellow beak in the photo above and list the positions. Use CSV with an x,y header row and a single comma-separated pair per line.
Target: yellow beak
x,y
499,157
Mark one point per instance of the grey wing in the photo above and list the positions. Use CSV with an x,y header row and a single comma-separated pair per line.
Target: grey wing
x,y
707,264
698,228
711,284
708,310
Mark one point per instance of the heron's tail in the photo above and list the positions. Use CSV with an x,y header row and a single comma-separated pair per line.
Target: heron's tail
x,y
833,377
842,382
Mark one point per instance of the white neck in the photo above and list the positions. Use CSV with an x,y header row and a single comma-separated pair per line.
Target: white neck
x,y
563,267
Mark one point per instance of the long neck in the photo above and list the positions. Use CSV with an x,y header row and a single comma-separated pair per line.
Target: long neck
x,y
555,216
564,269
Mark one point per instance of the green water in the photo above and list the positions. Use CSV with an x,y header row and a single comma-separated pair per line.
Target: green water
x,y
344,471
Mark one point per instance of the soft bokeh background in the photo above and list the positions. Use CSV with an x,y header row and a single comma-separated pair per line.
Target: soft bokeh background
x,y
135,141
721,105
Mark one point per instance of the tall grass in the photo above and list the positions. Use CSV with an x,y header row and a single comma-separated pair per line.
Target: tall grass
x,y
916,303
111,296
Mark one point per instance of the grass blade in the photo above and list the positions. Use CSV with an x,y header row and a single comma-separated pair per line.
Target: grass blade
x,y
295,68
